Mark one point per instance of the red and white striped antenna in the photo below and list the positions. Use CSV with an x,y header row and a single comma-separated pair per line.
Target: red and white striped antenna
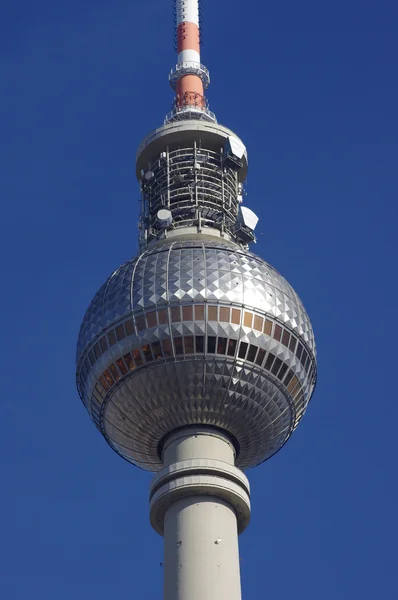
x,y
189,78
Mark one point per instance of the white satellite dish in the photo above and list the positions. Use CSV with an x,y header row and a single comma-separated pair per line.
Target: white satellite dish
x,y
165,217
249,218
235,146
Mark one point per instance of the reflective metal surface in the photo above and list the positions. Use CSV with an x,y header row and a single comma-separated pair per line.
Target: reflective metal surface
x,y
196,333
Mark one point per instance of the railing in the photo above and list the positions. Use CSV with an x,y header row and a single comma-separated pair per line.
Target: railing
x,y
189,68
182,113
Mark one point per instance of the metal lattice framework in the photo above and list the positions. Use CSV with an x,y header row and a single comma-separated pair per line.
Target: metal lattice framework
x,y
196,186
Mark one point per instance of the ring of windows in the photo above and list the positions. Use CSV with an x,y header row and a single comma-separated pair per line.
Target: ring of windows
x,y
197,344
201,313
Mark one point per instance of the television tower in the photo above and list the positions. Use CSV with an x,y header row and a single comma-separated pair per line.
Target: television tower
x,y
196,359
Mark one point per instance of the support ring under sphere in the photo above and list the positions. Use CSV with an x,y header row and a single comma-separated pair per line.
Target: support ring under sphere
x,y
196,332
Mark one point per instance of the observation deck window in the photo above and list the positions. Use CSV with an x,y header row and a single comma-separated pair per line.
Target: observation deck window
x,y
260,356
199,312
111,338
288,377
276,366
248,319
128,359
146,350
212,313
175,314
285,338
114,371
303,358
292,344
258,323
232,347
151,319
269,361
251,355
299,350
122,366
268,327
167,349
187,313
178,345
235,317
221,345
189,345
293,383
129,327
104,383
140,323
278,332
157,350
224,314
137,357
282,371
211,344
163,317
91,357
120,333
103,344
242,350
199,343
108,377
97,350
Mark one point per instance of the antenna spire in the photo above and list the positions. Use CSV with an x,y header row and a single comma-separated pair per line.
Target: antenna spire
x,y
189,78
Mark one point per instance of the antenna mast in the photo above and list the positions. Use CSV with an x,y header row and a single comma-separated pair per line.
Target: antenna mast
x,y
189,78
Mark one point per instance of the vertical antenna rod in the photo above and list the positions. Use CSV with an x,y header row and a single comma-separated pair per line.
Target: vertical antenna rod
x,y
189,87
189,78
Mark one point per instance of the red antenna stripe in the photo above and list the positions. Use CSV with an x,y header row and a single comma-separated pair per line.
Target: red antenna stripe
x,y
188,37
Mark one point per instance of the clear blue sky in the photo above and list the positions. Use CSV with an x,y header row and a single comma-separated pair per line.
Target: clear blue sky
x,y
312,89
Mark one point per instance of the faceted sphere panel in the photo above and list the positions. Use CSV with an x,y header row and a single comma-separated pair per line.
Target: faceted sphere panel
x,y
212,391
196,333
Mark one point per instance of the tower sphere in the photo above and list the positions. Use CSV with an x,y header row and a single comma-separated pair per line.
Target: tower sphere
x,y
196,332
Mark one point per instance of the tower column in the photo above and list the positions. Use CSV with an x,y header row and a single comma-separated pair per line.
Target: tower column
x,y
200,503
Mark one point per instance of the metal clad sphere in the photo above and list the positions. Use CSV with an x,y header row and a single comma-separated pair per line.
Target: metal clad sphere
x,y
196,332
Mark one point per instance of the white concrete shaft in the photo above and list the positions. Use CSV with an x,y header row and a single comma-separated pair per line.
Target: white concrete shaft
x,y
201,556
200,442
